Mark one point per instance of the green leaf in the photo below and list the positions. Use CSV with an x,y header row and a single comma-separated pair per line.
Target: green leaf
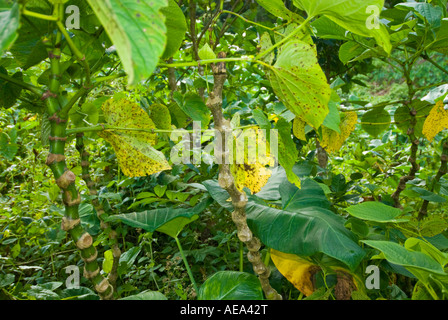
x,y
376,212
376,121
161,116
146,295
304,232
287,151
127,259
310,194
167,220
278,9
299,82
194,107
352,15
8,150
88,114
425,11
9,92
9,23
81,293
206,53
399,255
176,27
333,119
427,248
138,31
351,50
231,285
108,261
327,29
428,195
402,116
6,279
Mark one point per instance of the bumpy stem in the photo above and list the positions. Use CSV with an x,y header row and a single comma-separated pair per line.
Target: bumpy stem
x,y
227,182
65,178
85,165
443,170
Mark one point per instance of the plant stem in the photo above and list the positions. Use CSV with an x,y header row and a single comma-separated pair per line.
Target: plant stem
x,y
201,62
39,15
252,22
104,127
24,85
284,40
227,182
78,54
190,274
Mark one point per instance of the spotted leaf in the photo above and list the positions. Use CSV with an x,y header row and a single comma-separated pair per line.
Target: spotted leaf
x,y
300,83
331,140
134,147
251,171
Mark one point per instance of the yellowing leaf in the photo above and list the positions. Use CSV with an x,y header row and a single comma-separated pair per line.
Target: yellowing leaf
x,y
251,176
251,171
133,147
436,121
333,141
298,271
299,128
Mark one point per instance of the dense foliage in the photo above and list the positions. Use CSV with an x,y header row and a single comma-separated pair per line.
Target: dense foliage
x,y
100,100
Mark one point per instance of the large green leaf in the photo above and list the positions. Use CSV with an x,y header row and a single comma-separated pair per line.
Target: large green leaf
x,y
231,285
353,15
299,82
376,212
9,23
306,232
176,27
412,260
138,31
146,295
167,220
309,195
